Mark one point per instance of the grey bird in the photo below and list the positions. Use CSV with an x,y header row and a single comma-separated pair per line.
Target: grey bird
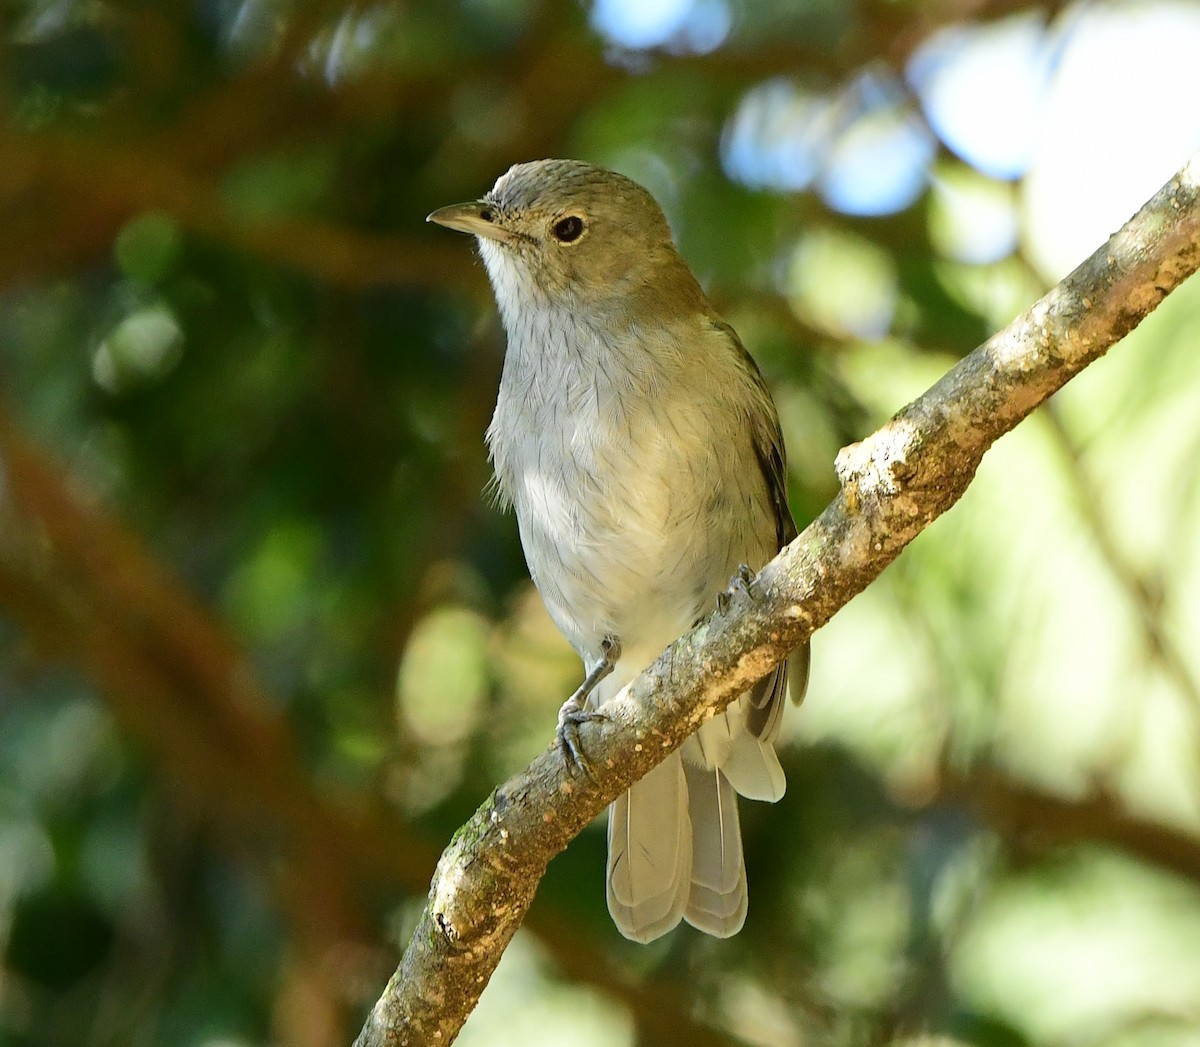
x,y
636,439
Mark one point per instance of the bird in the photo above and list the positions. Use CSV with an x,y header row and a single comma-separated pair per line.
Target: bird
x,y
636,440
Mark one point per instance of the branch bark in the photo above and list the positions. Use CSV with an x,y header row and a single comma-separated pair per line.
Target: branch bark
x,y
893,484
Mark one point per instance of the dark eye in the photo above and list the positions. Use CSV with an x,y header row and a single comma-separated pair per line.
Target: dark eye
x,y
568,229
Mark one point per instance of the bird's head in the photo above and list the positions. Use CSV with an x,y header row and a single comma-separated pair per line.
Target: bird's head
x,y
565,234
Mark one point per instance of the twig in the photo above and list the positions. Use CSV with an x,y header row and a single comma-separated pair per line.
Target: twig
x,y
1014,808
1144,591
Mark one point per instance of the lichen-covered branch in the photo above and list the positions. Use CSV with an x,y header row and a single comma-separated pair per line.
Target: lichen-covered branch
x,y
894,484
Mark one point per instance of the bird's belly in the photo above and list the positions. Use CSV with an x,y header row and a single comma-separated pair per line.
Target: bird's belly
x,y
633,548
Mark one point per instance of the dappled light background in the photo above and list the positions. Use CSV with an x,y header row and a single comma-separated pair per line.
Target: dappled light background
x,y
264,641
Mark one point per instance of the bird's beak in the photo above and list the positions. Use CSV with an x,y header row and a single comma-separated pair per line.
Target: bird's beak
x,y
476,217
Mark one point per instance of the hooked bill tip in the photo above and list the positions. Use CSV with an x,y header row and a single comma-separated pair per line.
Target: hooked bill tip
x,y
476,217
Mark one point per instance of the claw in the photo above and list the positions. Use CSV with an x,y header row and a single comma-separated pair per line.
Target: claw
x,y
574,711
739,585
570,717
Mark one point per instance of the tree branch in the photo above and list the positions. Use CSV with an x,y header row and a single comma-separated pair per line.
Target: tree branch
x,y
65,196
894,484
1016,809
1143,593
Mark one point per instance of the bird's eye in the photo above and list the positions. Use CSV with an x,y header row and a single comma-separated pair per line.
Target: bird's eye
x,y
569,229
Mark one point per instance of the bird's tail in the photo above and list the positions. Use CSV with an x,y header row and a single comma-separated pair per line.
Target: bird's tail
x,y
675,852
716,901
675,841
650,853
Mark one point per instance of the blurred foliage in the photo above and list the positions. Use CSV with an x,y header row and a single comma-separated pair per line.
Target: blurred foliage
x,y
264,643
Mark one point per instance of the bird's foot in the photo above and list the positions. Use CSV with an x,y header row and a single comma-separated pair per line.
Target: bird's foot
x,y
574,711
571,717
739,585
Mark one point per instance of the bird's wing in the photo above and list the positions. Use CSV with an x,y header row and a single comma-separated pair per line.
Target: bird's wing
x,y
767,696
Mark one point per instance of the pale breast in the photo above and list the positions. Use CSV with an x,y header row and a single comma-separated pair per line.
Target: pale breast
x,y
637,493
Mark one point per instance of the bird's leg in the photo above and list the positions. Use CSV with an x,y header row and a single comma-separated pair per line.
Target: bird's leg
x,y
739,585
574,711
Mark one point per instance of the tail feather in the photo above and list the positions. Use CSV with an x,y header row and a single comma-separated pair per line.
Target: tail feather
x,y
717,899
753,769
650,853
674,839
